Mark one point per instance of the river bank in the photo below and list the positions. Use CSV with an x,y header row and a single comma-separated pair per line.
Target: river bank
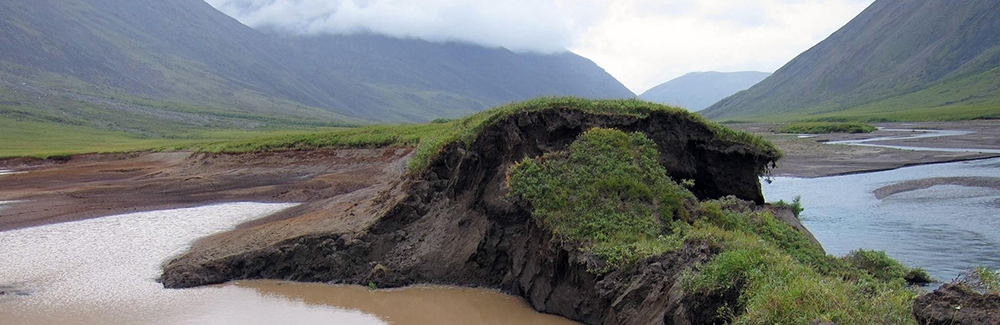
x,y
812,156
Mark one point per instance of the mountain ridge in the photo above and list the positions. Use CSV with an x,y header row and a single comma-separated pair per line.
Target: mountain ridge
x,y
133,65
893,52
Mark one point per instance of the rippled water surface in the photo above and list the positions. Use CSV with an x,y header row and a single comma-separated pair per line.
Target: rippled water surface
x,y
945,229
103,271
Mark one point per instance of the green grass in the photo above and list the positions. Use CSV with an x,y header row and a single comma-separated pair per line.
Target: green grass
x,y
965,98
47,139
607,192
826,127
784,279
431,138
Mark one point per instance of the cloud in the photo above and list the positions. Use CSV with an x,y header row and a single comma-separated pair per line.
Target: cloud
x,y
643,47
519,25
640,42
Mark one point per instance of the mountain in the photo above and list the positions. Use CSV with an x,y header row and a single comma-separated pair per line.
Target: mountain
x,y
698,90
897,60
153,66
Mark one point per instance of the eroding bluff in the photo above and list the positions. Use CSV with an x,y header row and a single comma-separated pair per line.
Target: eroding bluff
x,y
453,223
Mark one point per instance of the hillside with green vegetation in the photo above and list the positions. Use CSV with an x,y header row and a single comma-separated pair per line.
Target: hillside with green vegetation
x,y
896,61
158,69
696,91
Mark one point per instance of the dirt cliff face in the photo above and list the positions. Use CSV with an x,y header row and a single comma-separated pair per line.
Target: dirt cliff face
x,y
454,224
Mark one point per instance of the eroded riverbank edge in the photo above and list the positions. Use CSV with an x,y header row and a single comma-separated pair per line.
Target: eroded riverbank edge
x,y
453,224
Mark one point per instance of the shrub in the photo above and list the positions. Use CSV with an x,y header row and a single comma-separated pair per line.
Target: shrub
x,y
918,276
877,263
981,279
608,193
795,206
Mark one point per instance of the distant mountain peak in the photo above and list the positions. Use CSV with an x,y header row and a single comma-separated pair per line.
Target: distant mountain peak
x,y
697,90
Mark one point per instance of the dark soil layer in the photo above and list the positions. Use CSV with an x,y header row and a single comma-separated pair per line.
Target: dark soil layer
x,y
454,224
956,305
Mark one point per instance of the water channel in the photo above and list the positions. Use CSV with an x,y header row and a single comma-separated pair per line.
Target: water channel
x,y
944,227
103,271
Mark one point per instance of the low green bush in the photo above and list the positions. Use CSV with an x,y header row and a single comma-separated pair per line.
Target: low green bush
x,y
607,192
795,206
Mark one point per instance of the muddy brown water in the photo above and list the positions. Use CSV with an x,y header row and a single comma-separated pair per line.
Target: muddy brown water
x,y
103,271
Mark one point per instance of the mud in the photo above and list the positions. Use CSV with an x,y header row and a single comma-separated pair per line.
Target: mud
x,y
455,225
87,186
811,157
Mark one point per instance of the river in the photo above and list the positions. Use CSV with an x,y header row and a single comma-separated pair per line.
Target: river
x,y
103,271
945,228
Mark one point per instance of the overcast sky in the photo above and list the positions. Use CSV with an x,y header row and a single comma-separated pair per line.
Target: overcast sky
x,y
642,43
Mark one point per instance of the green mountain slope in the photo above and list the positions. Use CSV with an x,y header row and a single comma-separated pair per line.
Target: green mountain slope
x,y
698,90
155,68
912,60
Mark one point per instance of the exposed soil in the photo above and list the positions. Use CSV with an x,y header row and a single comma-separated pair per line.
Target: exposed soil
x,y
956,305
90,186
810,157
454,224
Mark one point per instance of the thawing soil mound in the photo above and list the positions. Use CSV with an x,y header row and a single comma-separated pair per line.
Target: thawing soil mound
x,y
616,212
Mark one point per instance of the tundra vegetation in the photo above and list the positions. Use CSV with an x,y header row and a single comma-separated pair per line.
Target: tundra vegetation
x,y
608,194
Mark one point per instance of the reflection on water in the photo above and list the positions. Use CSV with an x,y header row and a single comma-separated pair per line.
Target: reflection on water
x,y
103,271
8,172
945,229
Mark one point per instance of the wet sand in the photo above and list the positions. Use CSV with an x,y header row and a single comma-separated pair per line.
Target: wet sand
x,y
813,157
97,185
